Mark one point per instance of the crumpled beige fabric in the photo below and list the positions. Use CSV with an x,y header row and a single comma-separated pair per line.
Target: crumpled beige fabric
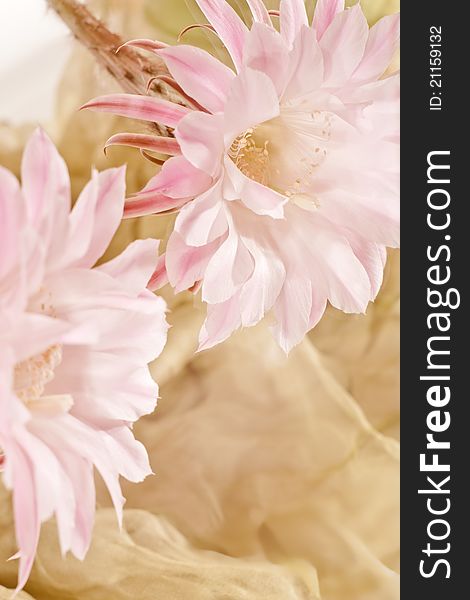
x,y
276,478
6,594
150,560
256,454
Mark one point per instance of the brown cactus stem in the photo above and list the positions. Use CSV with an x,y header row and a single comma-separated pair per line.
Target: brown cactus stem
x,y
131,69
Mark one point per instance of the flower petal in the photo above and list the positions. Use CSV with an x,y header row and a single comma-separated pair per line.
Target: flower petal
x,y
44,178
134,267
374,217
26,512
260,292
31,333
345,279
325,12
292,311
266,51
96,216
259,198
185,264
343,45
228,26
159,276
252,100
201,139
145,108
221,321
151,203
373,258
46,189
259,11
11,205
201,76
203,220
154,143
380,48
230,266
293,17
179,179
305,65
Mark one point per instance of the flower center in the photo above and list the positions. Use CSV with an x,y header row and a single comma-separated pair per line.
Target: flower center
x,y
285,153
32,375
252,159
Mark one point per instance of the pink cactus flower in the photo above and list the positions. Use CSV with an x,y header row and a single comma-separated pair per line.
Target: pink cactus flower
x,y
284,169
76,342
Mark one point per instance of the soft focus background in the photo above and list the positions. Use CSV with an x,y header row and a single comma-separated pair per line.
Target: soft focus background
x,y
276,478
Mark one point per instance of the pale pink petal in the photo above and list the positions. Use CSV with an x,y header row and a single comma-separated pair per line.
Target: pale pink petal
x,y
32,332
33,264
163,145
135,392
318,309
260,292
46,192
374,217
228,26
141,337
344,277
179,179
325,12
380,49
375,95
201,76
152,203
259,11
222,320
367,203
257,197
292,311
96,216
26,513
131,454
293,17
45,180
102,292
230,266
134,267
84,489
145,108
255,92
343,45
201,139
10,221
70,434
305,65
266,51
204,219
185,264
54,491
373,258
159,276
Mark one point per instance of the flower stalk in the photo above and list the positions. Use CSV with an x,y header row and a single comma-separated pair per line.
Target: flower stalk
x,y
135,73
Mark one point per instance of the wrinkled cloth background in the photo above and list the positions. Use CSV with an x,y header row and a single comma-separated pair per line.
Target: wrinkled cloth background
x,y
276,478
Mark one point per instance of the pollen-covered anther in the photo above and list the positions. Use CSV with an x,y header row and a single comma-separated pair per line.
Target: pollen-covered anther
x,y
251,158
33,374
